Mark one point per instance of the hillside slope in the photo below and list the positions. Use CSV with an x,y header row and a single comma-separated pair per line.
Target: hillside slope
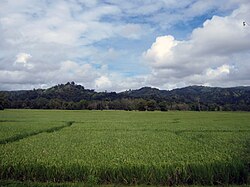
x,y
187,98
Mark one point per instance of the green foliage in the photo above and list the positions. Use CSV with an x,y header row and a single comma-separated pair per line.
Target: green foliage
x,y
163,106
151,105
75,97
2,101
141,105
118,147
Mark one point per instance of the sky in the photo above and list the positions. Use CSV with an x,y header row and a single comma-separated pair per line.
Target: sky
x,y
116,45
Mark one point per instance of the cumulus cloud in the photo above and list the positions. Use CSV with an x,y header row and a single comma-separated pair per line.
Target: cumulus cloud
x,y
161,50
117,82
99,43
218,72
213,55
103,82
66,71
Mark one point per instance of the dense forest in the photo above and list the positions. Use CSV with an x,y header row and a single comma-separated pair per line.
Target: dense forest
x,y
71,96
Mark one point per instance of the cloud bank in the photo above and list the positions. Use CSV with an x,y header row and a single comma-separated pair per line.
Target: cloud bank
x,y
216,54
105,45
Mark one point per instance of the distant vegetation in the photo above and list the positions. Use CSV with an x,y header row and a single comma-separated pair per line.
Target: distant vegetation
x,y
75,97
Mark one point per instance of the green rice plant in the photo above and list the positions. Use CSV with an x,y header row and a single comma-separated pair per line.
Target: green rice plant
x,y
131,148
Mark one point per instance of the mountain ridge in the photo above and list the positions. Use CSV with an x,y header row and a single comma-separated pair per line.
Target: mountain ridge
x,y
187,98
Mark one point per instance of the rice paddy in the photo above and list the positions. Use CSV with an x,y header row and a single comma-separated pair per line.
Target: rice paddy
x,y
129,148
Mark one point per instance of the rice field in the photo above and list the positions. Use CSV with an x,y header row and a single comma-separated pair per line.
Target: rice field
x,y
128,148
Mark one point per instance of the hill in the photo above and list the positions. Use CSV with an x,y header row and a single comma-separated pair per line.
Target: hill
x,y
73,96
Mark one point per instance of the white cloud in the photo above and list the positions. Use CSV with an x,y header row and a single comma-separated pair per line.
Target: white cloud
x,y
79,40
220,71
22,58
213,55
102,82
165,14
161,51
72,71
134,31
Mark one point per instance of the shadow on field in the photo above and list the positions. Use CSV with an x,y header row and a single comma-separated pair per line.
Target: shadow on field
x,y
177,132
27,135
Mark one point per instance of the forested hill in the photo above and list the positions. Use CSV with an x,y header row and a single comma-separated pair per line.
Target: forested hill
x,y
73,96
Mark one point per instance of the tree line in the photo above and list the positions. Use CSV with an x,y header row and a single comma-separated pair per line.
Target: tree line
x,y
118,104
70,96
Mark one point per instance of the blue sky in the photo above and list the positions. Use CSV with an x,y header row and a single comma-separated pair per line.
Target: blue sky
x,y
117,45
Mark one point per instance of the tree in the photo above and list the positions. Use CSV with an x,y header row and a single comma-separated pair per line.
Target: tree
x,y
2,101
198,106
151,105
83,104
55,104
141,105
163,106
92,105
41,103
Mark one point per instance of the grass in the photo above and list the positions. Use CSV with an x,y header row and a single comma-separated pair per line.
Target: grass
x,y
131,148
32,132
9,183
